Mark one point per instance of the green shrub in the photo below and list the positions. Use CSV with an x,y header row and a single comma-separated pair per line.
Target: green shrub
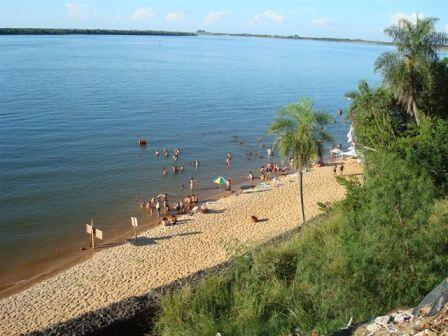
x,y
428,148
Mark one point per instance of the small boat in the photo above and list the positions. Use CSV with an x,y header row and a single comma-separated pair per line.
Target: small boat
x,y
142,142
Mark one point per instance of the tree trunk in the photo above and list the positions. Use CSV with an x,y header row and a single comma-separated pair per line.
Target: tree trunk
x,y
320,152
416,113
302,208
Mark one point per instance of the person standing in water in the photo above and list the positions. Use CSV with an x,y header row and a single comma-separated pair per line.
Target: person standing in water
x,y
192,183
149,207
250,177
158,207
229,186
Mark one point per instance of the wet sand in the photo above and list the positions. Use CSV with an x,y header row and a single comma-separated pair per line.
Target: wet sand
x,y
163,254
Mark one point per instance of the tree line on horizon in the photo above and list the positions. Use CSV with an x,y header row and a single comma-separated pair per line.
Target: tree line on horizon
x,y
57,31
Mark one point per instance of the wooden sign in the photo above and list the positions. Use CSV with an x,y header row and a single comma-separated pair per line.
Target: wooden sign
x,y
99,234
93,232
134,224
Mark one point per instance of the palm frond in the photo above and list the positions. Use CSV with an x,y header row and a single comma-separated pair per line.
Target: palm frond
x,y
387,60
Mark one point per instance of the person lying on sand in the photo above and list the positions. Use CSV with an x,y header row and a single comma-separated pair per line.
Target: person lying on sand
x,y
172,220
204,209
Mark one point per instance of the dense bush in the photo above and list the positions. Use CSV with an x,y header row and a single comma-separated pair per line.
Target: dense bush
x,y
428,148
377,118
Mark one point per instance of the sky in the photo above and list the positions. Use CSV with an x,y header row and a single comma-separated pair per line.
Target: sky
x,y
364,19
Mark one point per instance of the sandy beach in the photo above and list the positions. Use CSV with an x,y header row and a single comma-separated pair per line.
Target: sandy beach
x,y
163,254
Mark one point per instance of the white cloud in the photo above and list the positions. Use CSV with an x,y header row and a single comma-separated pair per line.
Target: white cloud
x,y
215,17
142,13
320,21
265,17
175,16
397,17
79,11
446,28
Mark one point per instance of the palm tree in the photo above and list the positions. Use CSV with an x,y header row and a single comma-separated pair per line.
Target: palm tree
x,y
300,133
405,68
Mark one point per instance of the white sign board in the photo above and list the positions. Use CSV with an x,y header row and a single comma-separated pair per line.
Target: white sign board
x,y
134,222
99,234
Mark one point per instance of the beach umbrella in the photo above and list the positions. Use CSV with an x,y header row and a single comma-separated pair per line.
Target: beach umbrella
x,y
220,180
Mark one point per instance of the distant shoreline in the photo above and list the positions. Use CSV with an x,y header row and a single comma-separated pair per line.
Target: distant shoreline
x,y
306,38
57,31
297,37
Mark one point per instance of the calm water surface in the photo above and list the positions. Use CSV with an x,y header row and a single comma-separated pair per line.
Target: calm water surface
x,y
73,107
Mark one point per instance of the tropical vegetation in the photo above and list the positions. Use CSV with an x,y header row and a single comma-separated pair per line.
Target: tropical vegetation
x,y
300,135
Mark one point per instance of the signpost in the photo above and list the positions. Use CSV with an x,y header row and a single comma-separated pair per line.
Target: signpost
x,y
93,232
134,224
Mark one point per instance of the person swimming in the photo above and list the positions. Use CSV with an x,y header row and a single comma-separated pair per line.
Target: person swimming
x,y
157,153
165,171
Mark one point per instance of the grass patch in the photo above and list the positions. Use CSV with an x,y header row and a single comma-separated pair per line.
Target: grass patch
x,y
309,281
